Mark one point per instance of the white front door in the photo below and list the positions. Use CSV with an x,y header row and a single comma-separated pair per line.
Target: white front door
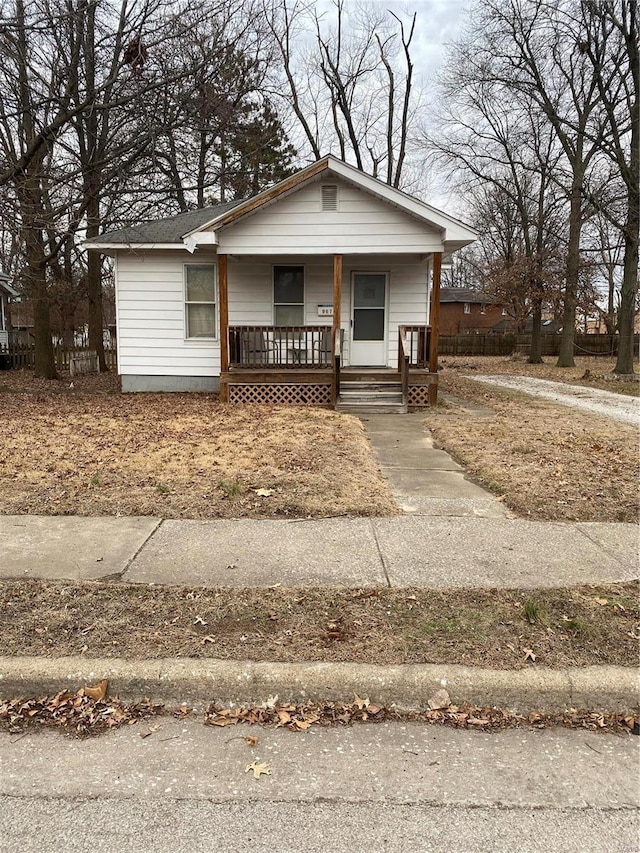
x,y
368,319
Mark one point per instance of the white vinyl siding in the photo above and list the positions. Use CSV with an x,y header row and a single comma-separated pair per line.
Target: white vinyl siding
x,y
297,224
151,319
151,307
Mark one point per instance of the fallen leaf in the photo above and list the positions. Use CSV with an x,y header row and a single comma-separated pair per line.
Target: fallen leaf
x,y
601,601
258,769
529,654
263,493
360,703
250,740
199,621
207,639
439,701
98,691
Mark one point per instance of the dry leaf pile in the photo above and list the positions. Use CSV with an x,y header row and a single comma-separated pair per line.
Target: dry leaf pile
x,y
77,712
82,715
300,717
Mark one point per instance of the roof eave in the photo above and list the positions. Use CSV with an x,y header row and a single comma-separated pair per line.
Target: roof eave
x,y
130,247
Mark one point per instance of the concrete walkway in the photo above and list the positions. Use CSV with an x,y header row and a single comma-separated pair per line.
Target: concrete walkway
x,y
423,480
432,552
619,407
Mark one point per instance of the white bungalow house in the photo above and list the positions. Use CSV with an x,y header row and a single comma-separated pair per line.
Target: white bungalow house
x,y
5,292
314,291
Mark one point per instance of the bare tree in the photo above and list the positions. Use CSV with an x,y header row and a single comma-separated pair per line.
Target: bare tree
x,y
533,49
349,78
611,30
504,157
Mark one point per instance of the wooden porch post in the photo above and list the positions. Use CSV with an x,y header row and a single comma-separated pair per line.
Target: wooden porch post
x,y
337,302
434,322
337,292
223,288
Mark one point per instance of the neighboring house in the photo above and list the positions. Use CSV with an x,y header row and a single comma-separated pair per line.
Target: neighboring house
x,y
549,326
468,312
5,292
288,296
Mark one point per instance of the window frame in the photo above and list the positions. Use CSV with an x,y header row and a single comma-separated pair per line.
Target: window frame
x,y
467,308
275,304
186,302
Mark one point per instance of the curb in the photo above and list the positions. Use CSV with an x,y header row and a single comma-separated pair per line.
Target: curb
x,y
172,681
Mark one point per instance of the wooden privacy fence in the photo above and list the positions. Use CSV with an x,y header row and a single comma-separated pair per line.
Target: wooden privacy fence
x,y
510,343
24,355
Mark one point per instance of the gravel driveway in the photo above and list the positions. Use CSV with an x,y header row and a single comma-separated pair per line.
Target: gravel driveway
x,y
620,407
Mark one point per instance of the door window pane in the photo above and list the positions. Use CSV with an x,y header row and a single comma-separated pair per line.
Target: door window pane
x,y
369,291
368,324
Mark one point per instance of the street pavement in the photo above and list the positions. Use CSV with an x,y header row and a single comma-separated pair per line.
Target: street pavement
x,y
388,787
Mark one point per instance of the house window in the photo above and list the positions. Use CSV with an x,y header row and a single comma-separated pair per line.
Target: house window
x,y
467,308
200,300
288,296
483,308
504,312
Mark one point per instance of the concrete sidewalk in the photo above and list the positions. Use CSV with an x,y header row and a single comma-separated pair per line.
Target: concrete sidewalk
x,y
432,552
424,480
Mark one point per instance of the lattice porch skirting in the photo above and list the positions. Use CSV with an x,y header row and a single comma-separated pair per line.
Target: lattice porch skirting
x,y
418,397
302,394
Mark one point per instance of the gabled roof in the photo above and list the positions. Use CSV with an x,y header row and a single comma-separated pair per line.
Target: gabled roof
x,y
466,294
454,230
181,230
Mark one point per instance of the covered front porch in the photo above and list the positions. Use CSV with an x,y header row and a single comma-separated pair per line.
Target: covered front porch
x,y
313,364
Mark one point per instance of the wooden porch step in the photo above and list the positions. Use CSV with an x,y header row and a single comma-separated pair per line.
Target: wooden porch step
x,y
369,397
349,375
374,408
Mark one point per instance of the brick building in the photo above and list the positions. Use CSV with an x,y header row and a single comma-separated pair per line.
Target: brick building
x,y
468,312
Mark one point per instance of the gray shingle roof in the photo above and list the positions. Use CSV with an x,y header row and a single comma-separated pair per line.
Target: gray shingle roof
x,y
169,230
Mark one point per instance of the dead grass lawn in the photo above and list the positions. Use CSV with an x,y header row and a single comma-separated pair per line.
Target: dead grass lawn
x,y
550,462
579,626
182,456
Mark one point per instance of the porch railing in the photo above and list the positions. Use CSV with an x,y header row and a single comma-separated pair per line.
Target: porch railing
x,y
417,340
281,347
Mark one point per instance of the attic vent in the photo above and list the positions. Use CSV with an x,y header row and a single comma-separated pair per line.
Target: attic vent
x,y
329,197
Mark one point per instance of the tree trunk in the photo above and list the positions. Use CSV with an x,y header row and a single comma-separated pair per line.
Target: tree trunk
x,y
535,353
45,366
624,362
565,358
94,296
94,277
